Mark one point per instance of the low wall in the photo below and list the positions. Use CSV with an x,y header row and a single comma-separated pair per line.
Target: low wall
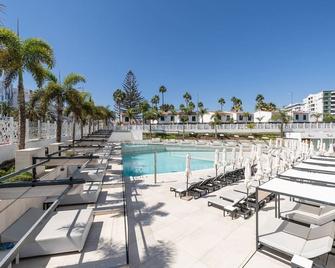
x,y
7,151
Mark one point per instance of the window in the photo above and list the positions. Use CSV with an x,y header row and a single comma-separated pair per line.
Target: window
x,y
219,117
249,118
193,118
296,117
305,117
162,118
240,117
228,117
126,119
172,118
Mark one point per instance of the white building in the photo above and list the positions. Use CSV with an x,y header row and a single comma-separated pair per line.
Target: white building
x,y
9,95
321,102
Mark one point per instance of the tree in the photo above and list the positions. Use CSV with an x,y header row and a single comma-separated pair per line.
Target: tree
x,y
260,102
202,111
144,107
216,120
131,114
191,106
272,107
222,102
119,97
75,100
61,93
7,110
88,113
237,104
317,116
187,97
17,57
133,96
328,118
149,115
155,101
162,90
283,118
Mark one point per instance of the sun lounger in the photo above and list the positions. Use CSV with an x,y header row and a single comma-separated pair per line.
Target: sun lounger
x,y
66,231
322,162
302,175
88,194
311,214
315,168
294,239
233,208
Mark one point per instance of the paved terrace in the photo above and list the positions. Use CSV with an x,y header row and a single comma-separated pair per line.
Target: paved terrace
x,y
164,231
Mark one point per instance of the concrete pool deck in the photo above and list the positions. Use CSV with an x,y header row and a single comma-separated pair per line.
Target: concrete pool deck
x,y
165,231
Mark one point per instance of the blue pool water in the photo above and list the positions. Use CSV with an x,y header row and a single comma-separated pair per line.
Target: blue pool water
x,y
168,161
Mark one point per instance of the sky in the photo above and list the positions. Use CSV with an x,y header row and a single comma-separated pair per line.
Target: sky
x,y
210,48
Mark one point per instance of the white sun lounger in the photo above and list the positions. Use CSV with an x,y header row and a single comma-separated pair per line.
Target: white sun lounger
x,y
86,193
295,239
311,214
316,168
319,161
309,176
66,231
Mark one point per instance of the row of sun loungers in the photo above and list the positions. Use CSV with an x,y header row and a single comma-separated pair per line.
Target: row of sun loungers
x,y
307,230
65,230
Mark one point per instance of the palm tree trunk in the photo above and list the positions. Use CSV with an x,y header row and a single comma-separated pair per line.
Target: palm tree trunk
x,y
162,98
216,132
89,126
282,129
59,120
150,129
22,112
81,129
183,131
73,130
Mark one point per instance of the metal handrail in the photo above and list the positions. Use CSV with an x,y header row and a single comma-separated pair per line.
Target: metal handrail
x,y
10,257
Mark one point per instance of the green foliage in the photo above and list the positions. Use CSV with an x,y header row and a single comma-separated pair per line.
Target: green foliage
x,y
251,125
261,105
237,104
133,97
328,118
24,176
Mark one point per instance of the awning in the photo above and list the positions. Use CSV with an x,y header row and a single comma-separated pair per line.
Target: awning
x,y
312,192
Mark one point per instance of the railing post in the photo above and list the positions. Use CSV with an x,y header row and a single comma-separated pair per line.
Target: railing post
x,y
11,130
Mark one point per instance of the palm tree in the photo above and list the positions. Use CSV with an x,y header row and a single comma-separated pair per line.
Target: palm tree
x,y
75,100
260,102
283,118
17,57
237,104
119,97
162,90
216,120
187,97
88,113
202,111
317,116
6,109
149,115
61,93
144,107
222,102
155,101
131,114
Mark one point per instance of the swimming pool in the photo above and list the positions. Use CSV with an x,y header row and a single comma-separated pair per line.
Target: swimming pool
x,y
137,164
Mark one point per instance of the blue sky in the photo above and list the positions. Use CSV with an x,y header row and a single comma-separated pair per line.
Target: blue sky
x,y
210,48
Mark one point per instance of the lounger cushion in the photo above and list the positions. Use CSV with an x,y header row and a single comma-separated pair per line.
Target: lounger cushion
x,y
21,226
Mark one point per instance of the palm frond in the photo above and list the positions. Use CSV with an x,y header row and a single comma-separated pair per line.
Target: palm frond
x,y
37,51
73,79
